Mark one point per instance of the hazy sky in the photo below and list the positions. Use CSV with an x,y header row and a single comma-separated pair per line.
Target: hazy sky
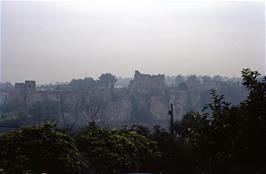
x,y
58,41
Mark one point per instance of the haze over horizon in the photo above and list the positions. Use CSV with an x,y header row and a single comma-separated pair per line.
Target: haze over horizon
x,y
59,41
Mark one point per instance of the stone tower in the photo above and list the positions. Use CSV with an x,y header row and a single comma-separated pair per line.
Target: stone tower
x,y
30,85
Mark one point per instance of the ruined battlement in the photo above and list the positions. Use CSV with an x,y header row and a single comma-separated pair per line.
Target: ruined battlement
x,y
25,87
30,85
146,81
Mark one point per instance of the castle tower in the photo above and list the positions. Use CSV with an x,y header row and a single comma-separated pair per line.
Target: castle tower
x,y
30,85
20,87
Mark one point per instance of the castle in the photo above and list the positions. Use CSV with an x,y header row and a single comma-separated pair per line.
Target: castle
x,y
146,81
28,86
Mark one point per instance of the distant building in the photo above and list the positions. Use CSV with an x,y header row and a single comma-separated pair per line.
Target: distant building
x,y
25,87
20,87
146,81
30,85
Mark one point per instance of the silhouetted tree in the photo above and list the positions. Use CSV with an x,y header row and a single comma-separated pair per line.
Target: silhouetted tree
x,y
82,84
107,80
230,139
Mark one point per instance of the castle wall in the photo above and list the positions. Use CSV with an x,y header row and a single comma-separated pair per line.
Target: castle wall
x,y
142,82
20,87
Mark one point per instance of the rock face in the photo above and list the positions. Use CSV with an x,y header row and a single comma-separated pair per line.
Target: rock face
x,y
146,100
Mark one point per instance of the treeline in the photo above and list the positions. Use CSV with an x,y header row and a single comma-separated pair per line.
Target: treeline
x,y
106,80
46,149
222,138
107,99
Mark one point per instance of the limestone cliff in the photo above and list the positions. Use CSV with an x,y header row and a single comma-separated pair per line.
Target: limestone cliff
x,y
146,100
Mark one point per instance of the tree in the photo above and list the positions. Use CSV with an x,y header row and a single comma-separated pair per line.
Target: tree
x,y
253,113
39,149
82,84
6,87
107,80
20,119
230,139
174,157
94,104
46,110
114,151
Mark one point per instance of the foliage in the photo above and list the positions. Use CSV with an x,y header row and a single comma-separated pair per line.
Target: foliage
x,y
107,80
229,139
113,151
46,110
175,159
82,84
38,149
6,87
17,119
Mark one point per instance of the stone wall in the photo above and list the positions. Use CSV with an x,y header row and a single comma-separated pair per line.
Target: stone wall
x,y
142,82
